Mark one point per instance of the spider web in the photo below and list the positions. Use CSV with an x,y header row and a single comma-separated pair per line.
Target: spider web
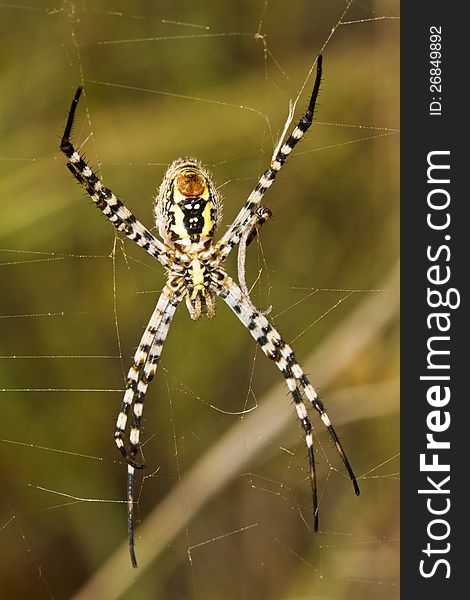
x,y
224,504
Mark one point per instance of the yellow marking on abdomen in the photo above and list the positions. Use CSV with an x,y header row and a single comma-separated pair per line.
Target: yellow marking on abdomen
x,y
208,222
178,226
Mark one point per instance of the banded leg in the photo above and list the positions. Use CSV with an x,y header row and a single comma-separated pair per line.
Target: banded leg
x,y
242,220
277,350
143,370
148,373
140,375
119,215
262,214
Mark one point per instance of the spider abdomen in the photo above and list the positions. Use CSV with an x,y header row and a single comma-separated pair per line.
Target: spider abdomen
x,y
192,217
188,207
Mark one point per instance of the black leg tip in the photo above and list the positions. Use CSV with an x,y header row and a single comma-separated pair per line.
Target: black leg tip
x,y
133,558
78,93
357,491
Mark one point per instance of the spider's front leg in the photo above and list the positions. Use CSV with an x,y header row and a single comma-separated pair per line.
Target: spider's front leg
x,y
119,215
274,347
140,374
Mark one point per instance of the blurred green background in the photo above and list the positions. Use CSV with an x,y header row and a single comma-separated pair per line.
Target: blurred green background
x,y
212,79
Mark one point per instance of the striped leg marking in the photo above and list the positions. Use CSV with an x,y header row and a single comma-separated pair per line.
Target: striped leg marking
x,y
242,220
277,350
120,216
140,374
261,216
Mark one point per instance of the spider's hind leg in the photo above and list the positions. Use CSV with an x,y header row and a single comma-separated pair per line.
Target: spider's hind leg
x,y
261,216
109,204
242,221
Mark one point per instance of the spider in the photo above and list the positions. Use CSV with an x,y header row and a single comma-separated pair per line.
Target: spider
x,y
187,212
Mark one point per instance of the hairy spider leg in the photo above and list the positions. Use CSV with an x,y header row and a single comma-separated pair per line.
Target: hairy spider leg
x,y
140,375
275,348
260,217
235,231
111,206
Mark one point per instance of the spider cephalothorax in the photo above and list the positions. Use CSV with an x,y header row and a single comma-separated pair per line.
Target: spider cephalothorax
x,y
188,210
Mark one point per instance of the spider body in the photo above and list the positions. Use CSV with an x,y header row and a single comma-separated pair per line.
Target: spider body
x,y
187,212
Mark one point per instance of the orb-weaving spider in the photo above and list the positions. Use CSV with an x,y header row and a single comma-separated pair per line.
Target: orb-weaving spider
x,y
188,211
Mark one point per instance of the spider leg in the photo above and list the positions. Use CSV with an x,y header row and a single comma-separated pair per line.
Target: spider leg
x,y
242,220
119,215
262,214
140,374
276,349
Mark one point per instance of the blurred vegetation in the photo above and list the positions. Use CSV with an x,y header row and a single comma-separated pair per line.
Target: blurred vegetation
x,y
192,78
